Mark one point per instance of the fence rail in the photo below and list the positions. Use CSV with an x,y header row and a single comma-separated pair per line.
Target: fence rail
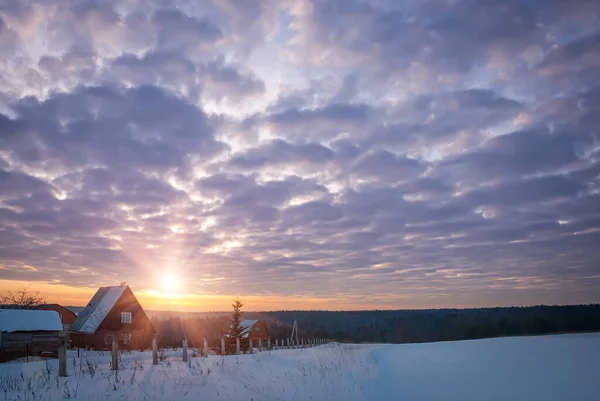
x,y
269,345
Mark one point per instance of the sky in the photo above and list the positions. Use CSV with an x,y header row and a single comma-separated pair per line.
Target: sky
x,y
302,154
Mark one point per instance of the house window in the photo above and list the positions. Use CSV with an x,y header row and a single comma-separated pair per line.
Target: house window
x,y
125,317
108,338
126,338
257,328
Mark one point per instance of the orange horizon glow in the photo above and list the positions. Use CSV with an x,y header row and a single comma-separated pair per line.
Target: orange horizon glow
x,y
166,301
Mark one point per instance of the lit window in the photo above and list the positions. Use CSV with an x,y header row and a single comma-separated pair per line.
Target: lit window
x,y
125,317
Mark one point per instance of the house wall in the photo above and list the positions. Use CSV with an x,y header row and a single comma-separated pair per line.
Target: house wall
x,y
67,317
262,333
135,335
29,343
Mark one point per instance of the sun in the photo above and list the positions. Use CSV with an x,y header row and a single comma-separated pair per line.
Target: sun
x,y
170,283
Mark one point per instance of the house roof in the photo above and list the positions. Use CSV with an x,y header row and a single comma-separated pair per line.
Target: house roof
x,y
50,306
89,319
246,326
29,320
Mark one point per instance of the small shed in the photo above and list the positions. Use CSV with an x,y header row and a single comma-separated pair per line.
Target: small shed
x,y
25,333
254,330
113,313
67,317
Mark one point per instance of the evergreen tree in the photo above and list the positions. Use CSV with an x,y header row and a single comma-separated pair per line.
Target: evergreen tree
x,y
235,328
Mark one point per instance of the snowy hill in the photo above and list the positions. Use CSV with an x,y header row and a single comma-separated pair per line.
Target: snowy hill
x,y
549,368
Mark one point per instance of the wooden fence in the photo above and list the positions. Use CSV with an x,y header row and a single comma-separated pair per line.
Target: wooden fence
x,y
268,345
30,344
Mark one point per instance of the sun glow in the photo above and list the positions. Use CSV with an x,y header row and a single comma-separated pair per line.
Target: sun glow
x,y
170,283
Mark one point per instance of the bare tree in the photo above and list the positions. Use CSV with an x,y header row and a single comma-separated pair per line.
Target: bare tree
x,y
22,298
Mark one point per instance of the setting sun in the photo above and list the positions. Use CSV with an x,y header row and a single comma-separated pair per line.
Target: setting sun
x,y
170,283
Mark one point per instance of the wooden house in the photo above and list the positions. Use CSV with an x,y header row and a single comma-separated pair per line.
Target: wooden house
x,y
254,330
113,313
67,317
25,333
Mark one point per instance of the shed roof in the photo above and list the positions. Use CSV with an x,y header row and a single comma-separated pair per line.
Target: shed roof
x,y
89,319
12,320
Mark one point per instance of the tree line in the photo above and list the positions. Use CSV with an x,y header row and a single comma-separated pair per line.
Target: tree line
x,y
390,326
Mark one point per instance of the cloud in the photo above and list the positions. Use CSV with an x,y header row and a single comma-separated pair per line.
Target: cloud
x,y
438,153
279,152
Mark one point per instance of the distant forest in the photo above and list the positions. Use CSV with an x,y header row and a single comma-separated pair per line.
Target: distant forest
x,y
398,326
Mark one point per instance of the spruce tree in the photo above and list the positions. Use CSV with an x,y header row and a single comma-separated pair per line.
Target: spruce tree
x,y
235,329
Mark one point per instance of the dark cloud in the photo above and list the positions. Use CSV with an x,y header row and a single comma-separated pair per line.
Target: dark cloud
x,y
17,183
279,152
519,153
177,31
388,167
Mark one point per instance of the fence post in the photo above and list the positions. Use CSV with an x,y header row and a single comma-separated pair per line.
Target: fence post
x,y
269,343
115,355
276,343
205,350
222,346
62,359
154,351
260,345
250,345
288,343
185,356
237,345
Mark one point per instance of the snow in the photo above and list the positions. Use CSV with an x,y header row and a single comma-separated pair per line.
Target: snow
x,y
12,320
100,305
549,368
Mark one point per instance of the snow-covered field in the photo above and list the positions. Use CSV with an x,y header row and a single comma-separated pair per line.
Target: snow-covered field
x,y
565,367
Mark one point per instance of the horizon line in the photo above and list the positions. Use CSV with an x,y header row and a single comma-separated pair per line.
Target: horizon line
x,y
369,310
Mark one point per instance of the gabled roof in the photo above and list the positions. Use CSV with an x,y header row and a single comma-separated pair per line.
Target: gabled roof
x,y
89,319
29,320
246,326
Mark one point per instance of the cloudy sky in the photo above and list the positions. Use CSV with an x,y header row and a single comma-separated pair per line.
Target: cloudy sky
x,y
302,153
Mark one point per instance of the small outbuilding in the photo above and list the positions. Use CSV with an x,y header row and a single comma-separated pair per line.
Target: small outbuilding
x,y
25,333
254,330
113,313
67,317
